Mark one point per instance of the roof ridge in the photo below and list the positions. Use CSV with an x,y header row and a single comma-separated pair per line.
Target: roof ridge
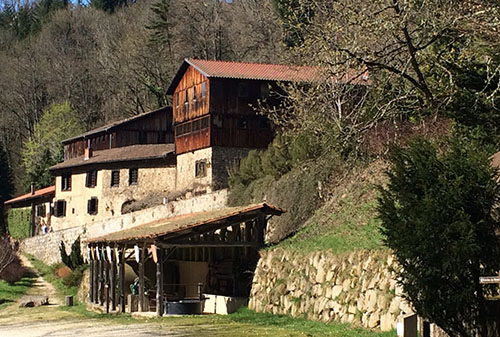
x,y
239,62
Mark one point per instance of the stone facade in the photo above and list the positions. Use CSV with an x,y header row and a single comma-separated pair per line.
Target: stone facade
x,y
218,161
357,288
46,247
110,198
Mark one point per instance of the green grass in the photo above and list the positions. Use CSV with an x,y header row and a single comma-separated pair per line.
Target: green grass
x,y
48,273
12,292
310,328
351,226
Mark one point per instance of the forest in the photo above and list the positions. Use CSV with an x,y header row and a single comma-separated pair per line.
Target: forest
x,y
67,67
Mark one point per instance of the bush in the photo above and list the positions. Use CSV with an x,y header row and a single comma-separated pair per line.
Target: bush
x,y
19,222
11,269
74,278
74,259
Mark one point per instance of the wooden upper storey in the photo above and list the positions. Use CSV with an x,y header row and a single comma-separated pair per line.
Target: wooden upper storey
x,y
214,102
153,127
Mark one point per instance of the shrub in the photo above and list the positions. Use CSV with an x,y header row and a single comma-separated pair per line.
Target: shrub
x,y
74,259
74,278
11,269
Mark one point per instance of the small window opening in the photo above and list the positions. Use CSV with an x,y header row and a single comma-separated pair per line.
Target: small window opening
x,y
41,211
66,182
92,206
203,89
242,123
186,102
91,179
115,178
217,121
242,89
60,208
200,168
133,176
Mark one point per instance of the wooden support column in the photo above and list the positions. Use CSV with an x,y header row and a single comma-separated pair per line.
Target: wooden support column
x,y
260,226
159,280
141,279
112,283
96,280
106,285
121,275
101,278
91,280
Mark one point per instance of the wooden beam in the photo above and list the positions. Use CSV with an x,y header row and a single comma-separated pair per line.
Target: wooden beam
x,y
210,244
95,281
112,282
121,275
101,280
106,286
91,280
159,281
141,279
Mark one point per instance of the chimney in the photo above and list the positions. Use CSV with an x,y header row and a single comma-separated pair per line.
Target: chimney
x,y
88,151
32,189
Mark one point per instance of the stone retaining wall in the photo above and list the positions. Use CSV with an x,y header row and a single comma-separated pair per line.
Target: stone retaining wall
x,y
357,288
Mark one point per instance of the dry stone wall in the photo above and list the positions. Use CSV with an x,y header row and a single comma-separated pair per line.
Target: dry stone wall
x,y
358,288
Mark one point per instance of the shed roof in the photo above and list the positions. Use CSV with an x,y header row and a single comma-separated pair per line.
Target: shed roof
x,y
39,194
184,224
119,154
111,126
248,71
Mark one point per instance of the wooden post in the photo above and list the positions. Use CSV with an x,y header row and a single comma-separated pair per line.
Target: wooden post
x,y
141,279
101,280
121,273
159,280
96,281
106,285
91,280
113,283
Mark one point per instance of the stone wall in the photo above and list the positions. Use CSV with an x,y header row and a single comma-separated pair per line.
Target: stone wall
x,y
357,288
46,247
110,199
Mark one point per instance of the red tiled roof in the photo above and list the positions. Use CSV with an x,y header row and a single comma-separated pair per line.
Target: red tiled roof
x,y
41,193
247,71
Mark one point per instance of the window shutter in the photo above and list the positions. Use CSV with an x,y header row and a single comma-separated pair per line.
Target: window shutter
x,y
96,205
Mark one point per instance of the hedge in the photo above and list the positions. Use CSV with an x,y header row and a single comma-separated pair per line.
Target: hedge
x,y
18,221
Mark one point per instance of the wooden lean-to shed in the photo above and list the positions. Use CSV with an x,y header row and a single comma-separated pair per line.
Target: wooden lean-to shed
x,y
200,255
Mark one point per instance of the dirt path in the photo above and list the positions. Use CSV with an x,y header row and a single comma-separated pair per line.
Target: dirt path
x,y
40,286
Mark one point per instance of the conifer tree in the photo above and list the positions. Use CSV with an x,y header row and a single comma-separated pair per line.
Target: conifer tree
x,y
6,186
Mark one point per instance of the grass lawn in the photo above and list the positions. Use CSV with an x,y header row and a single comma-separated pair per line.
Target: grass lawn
x,y
10,293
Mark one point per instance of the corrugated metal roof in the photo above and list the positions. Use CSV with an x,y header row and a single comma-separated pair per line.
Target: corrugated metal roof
x,y
41,193
119,154
110,126
247,71
255,71
178,224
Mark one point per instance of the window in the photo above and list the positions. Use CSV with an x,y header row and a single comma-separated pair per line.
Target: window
x,y
264,90
194,93
196,125
264,123
242,124
143,137
204,123
200,168
66,182
92,206
242,89
133,176
41,211
115,178
91,179
186,102
60,208
217,121
203,89
177,100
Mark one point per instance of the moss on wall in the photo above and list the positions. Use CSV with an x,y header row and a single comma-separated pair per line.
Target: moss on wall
x,y
18,220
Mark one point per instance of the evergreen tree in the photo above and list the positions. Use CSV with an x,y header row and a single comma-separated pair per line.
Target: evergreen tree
x,y
438,216
6,186
295,16
160,24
